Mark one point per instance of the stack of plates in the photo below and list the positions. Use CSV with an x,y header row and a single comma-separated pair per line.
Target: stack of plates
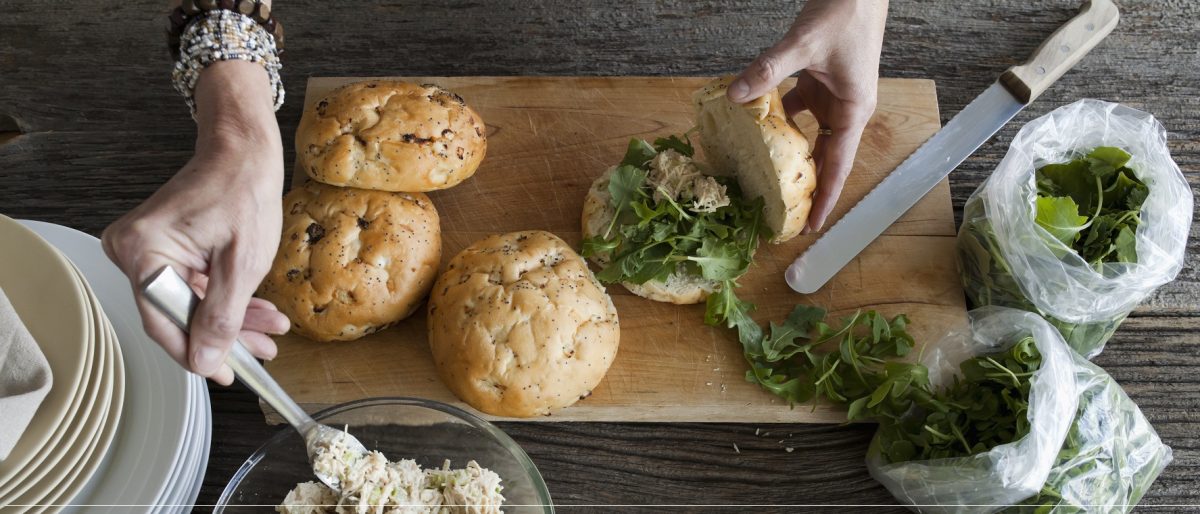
x,y
123,429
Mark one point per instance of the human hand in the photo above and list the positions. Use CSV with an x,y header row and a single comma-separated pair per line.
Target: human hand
x,y
217,222
835,45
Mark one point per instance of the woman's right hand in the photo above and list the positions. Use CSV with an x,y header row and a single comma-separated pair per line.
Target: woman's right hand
x,y
217,222
835,45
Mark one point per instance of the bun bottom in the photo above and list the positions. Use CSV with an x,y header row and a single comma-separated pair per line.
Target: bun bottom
x,y
680,288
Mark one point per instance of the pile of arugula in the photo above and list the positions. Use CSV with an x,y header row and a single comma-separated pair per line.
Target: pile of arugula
x,y
1091,205
985,407
650,239
988,405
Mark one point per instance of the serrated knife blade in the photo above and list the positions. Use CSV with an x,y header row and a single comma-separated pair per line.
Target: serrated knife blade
x,y
956,141
901,189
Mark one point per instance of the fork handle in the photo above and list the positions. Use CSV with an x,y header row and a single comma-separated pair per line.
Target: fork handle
x,y
172,295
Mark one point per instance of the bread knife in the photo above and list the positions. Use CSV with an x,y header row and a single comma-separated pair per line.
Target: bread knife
x,y
948,148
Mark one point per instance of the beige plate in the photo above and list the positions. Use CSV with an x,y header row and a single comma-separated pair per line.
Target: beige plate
x,y
55,497
52,304
76,433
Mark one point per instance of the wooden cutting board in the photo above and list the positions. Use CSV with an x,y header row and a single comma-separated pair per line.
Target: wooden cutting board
x,y
548,138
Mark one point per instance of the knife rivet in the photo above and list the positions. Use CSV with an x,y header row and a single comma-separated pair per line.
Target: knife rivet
x,y
1090,27
1041,70
1065,48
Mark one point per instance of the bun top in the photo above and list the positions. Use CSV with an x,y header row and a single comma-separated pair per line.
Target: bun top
x,y
352,261
518,325
763,148
390,135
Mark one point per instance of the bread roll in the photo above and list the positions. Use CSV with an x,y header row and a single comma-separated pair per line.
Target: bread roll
x,y
758,143
390,136
352,261
680,288
519,326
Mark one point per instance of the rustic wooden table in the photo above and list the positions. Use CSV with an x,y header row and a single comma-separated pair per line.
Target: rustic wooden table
x,y
86,83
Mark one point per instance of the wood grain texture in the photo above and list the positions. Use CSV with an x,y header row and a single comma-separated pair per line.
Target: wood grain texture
x,y
90,84
548,138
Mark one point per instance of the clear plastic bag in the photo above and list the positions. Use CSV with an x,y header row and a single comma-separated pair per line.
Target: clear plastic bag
x,y
1110,457
1089,446
1009,473
1007,259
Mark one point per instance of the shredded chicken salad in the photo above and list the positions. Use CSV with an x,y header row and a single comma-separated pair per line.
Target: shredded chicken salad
x,y
372,484
676,176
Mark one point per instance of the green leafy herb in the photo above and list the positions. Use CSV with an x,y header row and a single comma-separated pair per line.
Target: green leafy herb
x,y
987,406
1110,457
1091,204
1060,217
803,358
683,146
652,236
638,153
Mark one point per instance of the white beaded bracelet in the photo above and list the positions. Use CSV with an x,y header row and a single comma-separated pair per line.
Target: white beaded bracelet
x,y
222,35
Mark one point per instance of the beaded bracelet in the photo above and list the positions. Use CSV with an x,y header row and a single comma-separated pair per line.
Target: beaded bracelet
x,y
188,10
222,35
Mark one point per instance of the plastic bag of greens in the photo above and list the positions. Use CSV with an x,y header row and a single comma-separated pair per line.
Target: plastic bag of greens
x,y
1110,457
1084,217
1080,443
1005,474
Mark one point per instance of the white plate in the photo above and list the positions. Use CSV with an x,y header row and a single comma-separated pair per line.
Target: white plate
x,y
61,451
86,469
87,430
51,303
151,440
187,485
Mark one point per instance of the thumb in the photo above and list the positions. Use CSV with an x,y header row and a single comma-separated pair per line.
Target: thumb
x,y
769,69
218,318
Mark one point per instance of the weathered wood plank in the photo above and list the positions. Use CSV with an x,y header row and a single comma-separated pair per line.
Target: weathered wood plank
x,y
90,85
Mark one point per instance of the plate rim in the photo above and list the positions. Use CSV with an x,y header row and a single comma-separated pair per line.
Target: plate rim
x,y
16,462
61,449
112,420
144,361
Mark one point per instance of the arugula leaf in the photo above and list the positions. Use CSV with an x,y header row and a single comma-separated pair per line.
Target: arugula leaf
x,y
594,246
625,186
638,153
1106,160
1059,215
719,260
1068,179
1126,245
1117,193
683,146
724,307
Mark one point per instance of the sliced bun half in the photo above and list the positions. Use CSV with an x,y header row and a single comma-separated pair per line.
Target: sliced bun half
x,y
764,149
680,288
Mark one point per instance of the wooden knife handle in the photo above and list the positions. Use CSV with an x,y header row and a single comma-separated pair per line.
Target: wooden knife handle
x,y
1065,47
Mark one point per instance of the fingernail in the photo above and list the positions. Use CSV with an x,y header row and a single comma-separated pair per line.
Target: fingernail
x,y
739,90
207,360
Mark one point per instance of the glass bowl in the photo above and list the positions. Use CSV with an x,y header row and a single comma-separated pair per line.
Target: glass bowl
x,y
402,428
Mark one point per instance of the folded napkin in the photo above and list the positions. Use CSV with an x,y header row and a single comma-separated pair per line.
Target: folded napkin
x,y
24,377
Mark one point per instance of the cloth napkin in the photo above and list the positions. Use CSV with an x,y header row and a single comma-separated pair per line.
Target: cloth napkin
x,y
24,377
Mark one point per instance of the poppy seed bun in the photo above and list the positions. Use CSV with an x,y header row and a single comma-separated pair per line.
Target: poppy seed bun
x,y
519,327
759,144
352,261
390,136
